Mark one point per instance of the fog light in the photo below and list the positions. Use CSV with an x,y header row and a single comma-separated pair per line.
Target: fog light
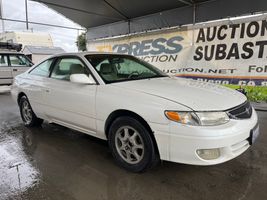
x,y
208,154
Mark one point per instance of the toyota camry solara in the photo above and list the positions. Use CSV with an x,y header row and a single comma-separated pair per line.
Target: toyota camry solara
x,y
145,115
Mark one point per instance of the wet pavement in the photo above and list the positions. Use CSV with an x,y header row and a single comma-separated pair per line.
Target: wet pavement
x,y
53,162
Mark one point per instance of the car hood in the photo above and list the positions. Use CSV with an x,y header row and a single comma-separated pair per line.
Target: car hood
x,y
199,96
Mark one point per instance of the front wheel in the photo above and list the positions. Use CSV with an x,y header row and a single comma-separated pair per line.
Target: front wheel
x,y
27,114
131,144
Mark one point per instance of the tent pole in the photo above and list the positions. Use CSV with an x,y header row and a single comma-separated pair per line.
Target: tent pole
x,y
26,11
194,22
1,15
129,27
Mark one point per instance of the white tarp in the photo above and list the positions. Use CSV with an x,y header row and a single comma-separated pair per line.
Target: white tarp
x,y
233,53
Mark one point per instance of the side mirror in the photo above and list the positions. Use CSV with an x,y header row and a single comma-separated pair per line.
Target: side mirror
x,y
82,79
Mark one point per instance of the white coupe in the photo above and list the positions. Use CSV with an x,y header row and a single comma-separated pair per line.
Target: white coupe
x,y
145,115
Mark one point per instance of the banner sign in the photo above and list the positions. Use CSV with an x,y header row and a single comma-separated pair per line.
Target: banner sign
x,y
224,54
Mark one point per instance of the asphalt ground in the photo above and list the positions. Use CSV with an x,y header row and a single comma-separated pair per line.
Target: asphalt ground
x,y
53,162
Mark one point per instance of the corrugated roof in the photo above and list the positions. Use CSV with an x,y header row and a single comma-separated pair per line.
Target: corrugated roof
x,y
44,50
107,18
93,13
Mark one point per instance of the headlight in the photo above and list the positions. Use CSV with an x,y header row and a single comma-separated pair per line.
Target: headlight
x,y
212,118
198,118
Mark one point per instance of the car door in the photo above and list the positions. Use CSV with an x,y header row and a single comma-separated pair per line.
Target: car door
x,y
71,104
5,70
35,87
19,64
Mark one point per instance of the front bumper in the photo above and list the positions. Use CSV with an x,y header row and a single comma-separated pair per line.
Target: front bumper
x,y
179,143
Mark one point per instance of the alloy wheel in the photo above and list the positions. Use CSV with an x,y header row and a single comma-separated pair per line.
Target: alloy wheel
x,y
129,144
26,112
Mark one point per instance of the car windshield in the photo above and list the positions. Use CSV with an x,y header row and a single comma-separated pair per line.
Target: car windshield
x,y
118,68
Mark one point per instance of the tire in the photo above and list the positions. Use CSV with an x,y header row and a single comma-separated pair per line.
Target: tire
x,y
28,117
131,145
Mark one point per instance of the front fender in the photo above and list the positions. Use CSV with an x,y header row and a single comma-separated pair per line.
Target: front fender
x,y
151,108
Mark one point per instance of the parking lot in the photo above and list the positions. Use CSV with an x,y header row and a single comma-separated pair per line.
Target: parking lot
x,y
53,162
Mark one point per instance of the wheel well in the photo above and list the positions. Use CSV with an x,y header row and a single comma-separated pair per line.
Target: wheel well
x,y
21,94
120,113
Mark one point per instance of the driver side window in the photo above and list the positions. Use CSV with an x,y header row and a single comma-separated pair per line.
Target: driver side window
x,y
65,67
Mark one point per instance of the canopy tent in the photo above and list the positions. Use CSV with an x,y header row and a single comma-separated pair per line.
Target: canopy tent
x,y
106,18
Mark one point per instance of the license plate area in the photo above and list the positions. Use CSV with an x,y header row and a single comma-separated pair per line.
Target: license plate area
x,y
254,133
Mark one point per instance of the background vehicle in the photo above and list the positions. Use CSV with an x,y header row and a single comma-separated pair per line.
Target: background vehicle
x,y
12,63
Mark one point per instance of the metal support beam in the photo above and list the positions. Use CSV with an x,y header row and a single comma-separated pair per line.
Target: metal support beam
x,y
194,13
129,26
1,15
80,10
26,13
42,24
194,21
187,2
116,10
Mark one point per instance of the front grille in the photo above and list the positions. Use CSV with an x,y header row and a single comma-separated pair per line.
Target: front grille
x,y
243,111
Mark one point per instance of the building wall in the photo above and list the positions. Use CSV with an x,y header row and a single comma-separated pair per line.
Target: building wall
x,y
27,38
38,57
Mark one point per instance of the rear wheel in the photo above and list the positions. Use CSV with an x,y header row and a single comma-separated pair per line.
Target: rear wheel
x,y
131,144
27,114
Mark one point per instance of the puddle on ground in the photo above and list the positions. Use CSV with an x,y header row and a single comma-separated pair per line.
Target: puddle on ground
x,y
53,162
17,174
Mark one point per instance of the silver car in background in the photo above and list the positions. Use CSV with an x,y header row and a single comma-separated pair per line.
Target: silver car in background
x,y
12,63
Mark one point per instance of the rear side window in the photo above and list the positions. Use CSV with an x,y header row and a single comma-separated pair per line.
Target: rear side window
x,y
19,61
42,69
3,61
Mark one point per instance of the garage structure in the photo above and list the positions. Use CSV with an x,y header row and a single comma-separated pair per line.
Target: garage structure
x,y
38,53
109,18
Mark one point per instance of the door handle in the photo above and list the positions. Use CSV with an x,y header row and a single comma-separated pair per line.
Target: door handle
x,y
15,70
